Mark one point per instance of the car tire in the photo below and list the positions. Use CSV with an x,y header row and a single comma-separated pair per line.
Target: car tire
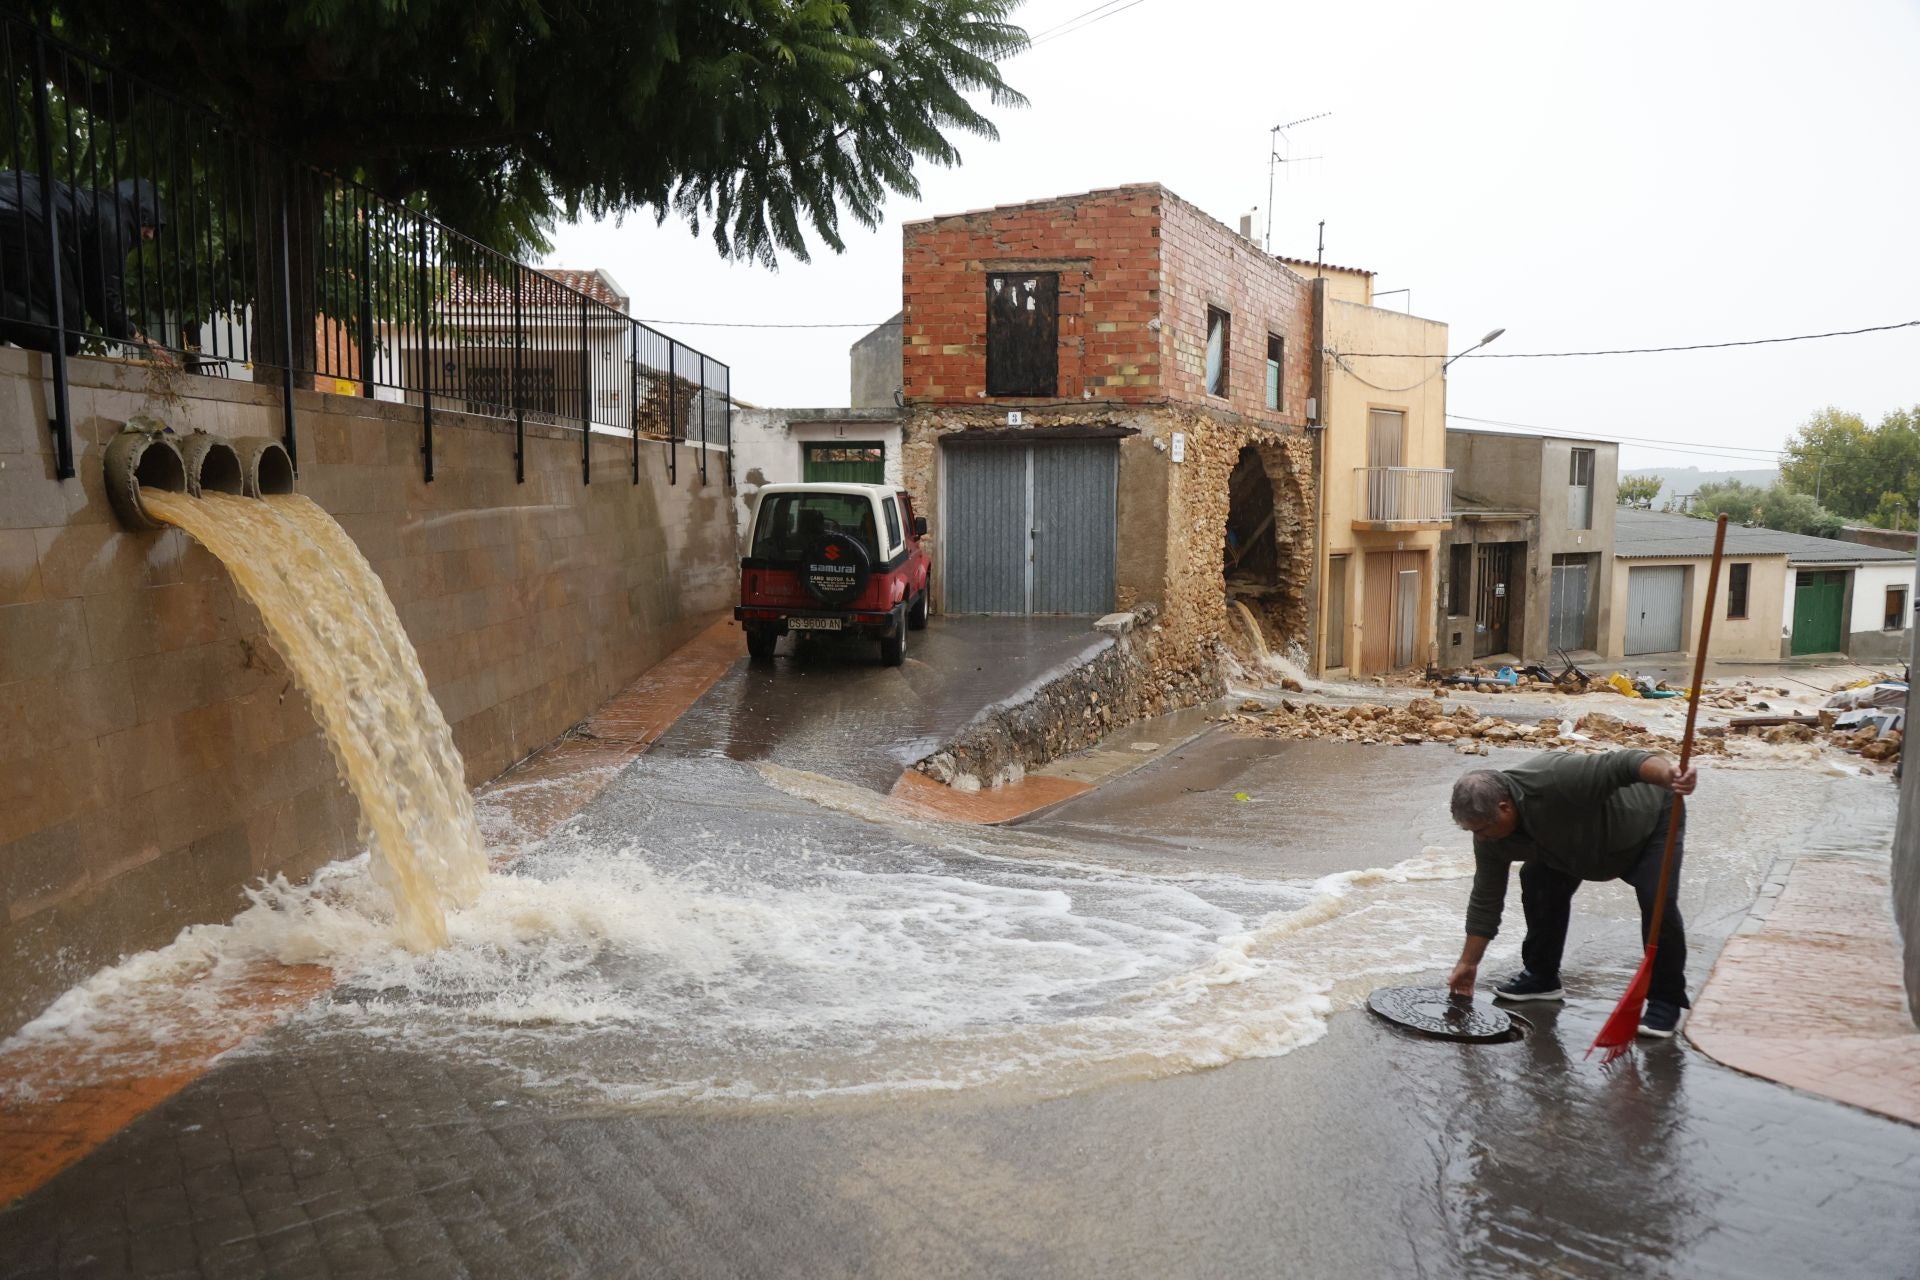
x,y
917,615
893,648
760,642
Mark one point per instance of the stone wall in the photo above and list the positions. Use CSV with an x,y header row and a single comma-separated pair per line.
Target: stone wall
x,y
154,755
1114,687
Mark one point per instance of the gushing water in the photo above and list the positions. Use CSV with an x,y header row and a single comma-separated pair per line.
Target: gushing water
x,y
331,619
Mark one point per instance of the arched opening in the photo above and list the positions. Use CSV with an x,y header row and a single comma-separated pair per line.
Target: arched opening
x,y
1267,553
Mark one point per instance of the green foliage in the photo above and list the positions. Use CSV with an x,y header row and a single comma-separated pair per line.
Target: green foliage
x,y
1775,507
1854,468
1639,491
762,122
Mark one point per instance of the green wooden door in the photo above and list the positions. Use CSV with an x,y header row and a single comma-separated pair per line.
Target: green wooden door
x,y
845,462
1818,597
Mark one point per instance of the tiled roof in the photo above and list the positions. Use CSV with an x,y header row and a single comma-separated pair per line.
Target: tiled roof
x,y
472,289
1645,535
1311,265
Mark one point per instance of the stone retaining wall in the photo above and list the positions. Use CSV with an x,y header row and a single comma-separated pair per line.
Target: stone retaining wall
x,y
154,754
1124,681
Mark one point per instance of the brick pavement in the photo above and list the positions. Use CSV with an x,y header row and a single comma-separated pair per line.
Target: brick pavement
x,y
67,1096
1807,992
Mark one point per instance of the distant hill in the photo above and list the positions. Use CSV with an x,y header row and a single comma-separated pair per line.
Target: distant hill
x,y
1689,479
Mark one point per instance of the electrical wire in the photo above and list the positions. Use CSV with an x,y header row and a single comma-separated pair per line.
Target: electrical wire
x,y
1639,351
1067,28
1531,426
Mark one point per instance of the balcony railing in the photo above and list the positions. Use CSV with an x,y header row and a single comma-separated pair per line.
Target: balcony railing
x,y
1401,497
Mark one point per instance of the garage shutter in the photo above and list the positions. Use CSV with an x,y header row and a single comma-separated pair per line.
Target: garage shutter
x,y
1655,599
1030,527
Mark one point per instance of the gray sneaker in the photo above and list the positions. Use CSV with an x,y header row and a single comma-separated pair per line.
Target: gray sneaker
x,y
1528,986
1659,1019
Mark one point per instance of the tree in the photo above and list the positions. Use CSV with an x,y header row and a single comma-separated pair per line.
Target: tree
x,y
1639,491
1775,507
1738,499
758,120
1849,466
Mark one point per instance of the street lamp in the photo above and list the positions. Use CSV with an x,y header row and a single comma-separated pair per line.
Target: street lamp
x,y
1475,347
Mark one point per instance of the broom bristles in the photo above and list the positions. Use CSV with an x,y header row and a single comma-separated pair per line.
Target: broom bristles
x,y
1617,1033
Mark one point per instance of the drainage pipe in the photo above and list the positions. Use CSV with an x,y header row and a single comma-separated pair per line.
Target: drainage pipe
x,y
142,457
265,466
212,465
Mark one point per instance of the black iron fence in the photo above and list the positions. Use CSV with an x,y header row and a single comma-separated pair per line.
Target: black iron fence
x,y
134,224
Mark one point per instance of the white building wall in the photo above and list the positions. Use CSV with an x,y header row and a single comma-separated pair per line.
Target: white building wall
x,y
770,449
1870,583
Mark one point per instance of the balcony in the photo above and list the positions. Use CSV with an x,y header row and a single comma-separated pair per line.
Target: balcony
x,y
1390,499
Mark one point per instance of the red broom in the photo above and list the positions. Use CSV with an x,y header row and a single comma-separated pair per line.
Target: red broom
x,y
1616,1036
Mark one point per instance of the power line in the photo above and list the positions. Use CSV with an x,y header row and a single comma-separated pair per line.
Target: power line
x,y
1648,440
1638,351
1068,28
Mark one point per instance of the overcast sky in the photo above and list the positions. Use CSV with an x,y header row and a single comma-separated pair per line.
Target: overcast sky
x,y
1583,175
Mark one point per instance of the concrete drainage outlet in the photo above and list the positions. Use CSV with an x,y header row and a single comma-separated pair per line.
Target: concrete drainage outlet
x,y
141,457
212,465
265,467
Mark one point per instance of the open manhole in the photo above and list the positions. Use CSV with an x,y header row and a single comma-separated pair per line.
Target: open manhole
x,y
1435,1011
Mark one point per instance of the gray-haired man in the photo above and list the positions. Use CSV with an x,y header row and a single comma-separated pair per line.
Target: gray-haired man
x,y
1565,819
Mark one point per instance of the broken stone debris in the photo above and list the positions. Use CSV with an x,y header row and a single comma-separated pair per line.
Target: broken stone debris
x,y
1467,731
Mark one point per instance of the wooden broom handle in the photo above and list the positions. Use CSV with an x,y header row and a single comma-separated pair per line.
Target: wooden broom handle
x,y
1686,739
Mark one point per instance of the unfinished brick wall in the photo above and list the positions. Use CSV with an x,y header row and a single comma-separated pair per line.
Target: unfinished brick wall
x,y
1105,247
1206,264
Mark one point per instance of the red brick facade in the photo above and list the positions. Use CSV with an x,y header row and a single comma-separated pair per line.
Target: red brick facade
x,y
1138,268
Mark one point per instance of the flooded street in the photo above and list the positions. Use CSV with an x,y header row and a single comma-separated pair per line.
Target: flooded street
x,y
742,1016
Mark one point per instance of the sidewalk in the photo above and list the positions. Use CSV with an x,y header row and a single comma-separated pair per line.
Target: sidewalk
x,y
1807,991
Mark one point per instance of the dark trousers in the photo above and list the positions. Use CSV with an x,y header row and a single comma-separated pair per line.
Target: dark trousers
x,y
1546,896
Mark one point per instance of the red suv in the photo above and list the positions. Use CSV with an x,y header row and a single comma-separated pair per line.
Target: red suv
x,y
834,558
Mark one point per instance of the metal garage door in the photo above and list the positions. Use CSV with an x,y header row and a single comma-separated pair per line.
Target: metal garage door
x,y
1655,602
1567,614
1030,527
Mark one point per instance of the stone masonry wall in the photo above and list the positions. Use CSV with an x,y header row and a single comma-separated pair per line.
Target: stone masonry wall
x,y
154,754
1118,685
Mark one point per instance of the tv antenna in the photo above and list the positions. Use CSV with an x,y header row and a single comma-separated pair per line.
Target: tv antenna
x,y
1276,136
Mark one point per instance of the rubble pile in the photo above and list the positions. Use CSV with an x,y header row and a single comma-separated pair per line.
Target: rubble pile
x,y
1427,720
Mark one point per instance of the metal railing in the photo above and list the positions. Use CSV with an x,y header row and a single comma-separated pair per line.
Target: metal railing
x,y
133,223
1402,495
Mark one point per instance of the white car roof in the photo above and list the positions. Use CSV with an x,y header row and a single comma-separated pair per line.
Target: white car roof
x,y
832,486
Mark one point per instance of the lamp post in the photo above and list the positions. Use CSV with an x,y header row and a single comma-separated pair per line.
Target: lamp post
x,y
1475,347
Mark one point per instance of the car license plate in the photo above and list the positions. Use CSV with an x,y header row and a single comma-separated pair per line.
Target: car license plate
x,y
813,624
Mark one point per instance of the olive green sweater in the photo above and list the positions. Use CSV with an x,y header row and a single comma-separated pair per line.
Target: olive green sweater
x,y
1587,816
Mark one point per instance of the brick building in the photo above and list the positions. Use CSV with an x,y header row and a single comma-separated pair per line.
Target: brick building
x,y
1106,404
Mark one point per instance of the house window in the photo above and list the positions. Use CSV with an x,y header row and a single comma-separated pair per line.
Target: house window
x,y
1580,490
1459,578
1023,333
1219,339
1386,438
1737,577
1336,611
1276,363
1896,610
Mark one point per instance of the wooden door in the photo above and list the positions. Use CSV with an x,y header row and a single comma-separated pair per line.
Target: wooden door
x,y
1376,613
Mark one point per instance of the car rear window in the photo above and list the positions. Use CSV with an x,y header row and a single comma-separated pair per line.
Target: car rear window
x,y
789,521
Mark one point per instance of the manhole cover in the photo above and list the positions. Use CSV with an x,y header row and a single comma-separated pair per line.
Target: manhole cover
x,y
1435,1011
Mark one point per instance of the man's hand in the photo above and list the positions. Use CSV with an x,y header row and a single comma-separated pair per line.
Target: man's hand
x,y
1461,981
1662,772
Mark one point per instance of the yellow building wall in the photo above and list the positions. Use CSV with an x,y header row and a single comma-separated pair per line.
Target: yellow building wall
x,y
1755,637
1411,383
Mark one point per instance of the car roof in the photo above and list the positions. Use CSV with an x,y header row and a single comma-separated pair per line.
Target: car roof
x,y
831,486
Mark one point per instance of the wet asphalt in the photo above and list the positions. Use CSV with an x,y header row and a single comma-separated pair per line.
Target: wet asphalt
x,y
1367,1153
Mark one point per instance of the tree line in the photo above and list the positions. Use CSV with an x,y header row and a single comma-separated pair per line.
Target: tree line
x,y
1835,470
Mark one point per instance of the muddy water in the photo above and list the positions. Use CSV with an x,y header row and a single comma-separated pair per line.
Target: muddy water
x,y
330,618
